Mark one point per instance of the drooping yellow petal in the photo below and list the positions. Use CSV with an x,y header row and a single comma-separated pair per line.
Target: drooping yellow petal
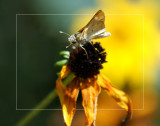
x,y
67,95
90,94
60,88
70,98
64,71
121,98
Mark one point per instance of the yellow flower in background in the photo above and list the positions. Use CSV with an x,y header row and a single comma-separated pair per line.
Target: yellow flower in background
x,y
131,28
133,47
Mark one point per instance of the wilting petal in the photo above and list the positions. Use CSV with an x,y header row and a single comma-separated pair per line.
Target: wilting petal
x,y
67,96
60,88
121,98
64,72
70,98
90,96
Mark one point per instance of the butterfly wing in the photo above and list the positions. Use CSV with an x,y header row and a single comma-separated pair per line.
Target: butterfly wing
x,y
95,29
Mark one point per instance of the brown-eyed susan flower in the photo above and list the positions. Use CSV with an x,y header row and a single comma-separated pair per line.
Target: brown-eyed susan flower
x,y
88,79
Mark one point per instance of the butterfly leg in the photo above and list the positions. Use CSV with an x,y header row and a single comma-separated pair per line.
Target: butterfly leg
x,y
91,42
84,50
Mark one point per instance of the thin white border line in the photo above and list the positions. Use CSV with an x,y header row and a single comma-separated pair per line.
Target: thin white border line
x,y
16,62
72,14
75,15
76,109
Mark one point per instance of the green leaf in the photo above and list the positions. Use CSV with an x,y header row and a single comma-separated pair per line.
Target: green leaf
x,y
65,54
61,63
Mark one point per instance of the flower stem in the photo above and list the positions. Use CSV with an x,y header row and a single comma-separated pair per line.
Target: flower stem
x,y
43,104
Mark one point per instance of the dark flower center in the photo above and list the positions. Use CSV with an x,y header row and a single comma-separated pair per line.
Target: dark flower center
x,y
87,61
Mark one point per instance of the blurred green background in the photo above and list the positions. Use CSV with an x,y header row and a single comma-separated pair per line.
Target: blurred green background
x,y
38,47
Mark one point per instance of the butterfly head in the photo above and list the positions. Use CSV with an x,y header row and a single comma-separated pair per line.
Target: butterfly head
x,y
72,39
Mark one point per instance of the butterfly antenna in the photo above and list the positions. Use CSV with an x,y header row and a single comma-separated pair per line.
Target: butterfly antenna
x,y
68,45
61,32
